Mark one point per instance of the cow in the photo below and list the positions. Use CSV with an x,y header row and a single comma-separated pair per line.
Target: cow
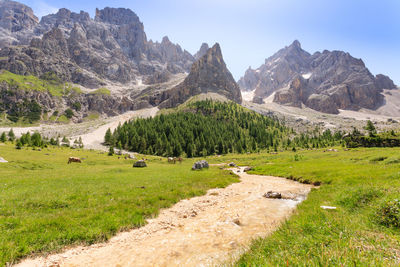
x,y
172,160
180,159
73,159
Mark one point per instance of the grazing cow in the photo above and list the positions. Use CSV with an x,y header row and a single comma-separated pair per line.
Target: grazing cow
x,y
73,159
180,159
172,160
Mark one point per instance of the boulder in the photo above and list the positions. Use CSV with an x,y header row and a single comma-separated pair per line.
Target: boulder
x,y
139,164
232,164
246,169
258,100
274,195
200,165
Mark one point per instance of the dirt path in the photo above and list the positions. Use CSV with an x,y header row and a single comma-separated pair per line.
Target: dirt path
x,y
202,231
93,139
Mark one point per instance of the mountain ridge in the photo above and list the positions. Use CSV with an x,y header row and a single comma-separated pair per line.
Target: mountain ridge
x,y
335,80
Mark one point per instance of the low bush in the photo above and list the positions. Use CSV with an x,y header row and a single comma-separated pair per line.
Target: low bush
x,y
389,213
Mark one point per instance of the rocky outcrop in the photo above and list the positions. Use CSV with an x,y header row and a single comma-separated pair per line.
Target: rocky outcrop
x,y
177,59
384,82
15,17
295,94
49,54
208,74
326,81
17,22
18,102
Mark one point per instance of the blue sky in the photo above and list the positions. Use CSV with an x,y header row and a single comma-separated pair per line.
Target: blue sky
x,y
251,30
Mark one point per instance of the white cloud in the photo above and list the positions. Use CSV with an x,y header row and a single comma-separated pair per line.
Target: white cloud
x,y
42,8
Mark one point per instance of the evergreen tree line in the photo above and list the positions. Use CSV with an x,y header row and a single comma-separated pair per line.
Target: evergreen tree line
x,y
37,140
372,138
208,128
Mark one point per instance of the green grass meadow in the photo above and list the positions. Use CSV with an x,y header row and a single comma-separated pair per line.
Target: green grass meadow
x,y
46,204
358,182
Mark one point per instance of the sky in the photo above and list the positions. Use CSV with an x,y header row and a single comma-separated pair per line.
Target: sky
x,y
251,30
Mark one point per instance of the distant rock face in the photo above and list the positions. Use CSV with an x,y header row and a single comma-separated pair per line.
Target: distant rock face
x,y
15,16
326,81
208,74
384,82
203,50
16,23
277,72
111,47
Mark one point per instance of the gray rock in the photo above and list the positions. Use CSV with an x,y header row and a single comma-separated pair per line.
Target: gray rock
x,y
140,164
274,195
246,169
200,165
384,82
203,50
17,22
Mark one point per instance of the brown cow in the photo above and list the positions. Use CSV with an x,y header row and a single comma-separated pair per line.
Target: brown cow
x,y
73,159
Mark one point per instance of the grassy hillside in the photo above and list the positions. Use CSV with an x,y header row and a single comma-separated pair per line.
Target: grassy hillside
x,y
207,127
101,91
203,128
46,204
364,185
46,83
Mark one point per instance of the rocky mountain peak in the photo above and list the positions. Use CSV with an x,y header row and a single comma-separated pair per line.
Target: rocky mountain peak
x,y
165,40
208,75
17,22
63,13
296,44
116,16
203,50
326,81
277,71
15,17
214,55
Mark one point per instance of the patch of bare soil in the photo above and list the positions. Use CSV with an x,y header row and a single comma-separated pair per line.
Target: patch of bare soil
x,y
202,231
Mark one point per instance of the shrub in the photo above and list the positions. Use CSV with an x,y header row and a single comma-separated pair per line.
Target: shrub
x,y
77,106
378,159
69,113
11,135
389,213
3,137
18,145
